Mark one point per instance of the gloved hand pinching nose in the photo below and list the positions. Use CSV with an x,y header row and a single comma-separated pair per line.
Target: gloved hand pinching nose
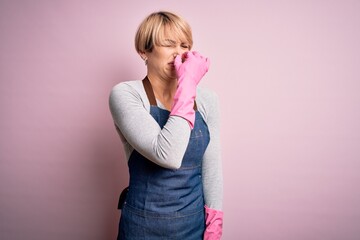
x,y
190,68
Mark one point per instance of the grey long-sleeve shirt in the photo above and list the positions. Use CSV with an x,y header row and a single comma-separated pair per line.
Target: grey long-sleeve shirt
x,y
130,109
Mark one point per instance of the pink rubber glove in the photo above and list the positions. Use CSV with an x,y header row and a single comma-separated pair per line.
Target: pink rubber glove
x,y
189,74
214,222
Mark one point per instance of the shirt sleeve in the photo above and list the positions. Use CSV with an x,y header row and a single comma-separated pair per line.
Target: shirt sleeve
x,y
165,147
212,165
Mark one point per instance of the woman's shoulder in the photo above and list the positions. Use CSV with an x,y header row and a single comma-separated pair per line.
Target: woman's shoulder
x,y
206,96
133,88
134,85
127,91
207,103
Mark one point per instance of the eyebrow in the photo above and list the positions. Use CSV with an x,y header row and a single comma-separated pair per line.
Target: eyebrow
x,y
174,42
170,40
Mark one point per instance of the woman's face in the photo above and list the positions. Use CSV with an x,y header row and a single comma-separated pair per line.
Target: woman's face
x,y
161,58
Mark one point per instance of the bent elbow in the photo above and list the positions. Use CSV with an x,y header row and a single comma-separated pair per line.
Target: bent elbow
x,y
171,161
175,166
171,164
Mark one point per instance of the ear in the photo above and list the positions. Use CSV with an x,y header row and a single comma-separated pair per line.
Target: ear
x,y
143,55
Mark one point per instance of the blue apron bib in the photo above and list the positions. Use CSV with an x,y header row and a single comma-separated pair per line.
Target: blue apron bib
x,y
163,203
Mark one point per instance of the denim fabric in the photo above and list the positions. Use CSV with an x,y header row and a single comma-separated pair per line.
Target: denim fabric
x,y
164,203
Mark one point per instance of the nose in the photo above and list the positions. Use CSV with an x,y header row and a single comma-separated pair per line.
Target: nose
x,y
179,50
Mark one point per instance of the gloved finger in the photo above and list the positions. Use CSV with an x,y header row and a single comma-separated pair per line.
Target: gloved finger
x,y
184,56
196,54
189,55
177,62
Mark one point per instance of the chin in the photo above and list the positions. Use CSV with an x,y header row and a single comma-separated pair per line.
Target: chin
x,y
172,74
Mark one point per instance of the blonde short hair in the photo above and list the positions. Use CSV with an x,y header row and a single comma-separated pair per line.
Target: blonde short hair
x,y
152,30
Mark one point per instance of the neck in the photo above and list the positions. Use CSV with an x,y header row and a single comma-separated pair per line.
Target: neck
x,y
164,89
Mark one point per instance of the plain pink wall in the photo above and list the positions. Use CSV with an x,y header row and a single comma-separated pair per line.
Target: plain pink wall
x,y
287,74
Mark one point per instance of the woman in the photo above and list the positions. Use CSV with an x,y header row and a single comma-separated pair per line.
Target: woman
x,y
171,141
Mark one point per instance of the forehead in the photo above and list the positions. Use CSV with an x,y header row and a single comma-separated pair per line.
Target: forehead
x,y
172,34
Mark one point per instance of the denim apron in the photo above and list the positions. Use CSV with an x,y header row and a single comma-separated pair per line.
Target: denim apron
x,y
163,203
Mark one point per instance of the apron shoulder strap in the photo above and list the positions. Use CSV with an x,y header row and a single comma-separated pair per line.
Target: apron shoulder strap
x,y
149,91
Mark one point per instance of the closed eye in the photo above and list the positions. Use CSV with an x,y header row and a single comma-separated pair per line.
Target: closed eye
x,y
185,46
169,43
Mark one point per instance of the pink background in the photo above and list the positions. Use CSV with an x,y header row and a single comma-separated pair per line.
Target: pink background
x,y
286,72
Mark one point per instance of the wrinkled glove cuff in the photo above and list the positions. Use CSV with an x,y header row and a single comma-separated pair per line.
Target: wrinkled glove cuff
x,y
214,223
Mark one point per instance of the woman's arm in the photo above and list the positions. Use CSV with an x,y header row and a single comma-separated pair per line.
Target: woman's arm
x,y
165,147
212,166
212,172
